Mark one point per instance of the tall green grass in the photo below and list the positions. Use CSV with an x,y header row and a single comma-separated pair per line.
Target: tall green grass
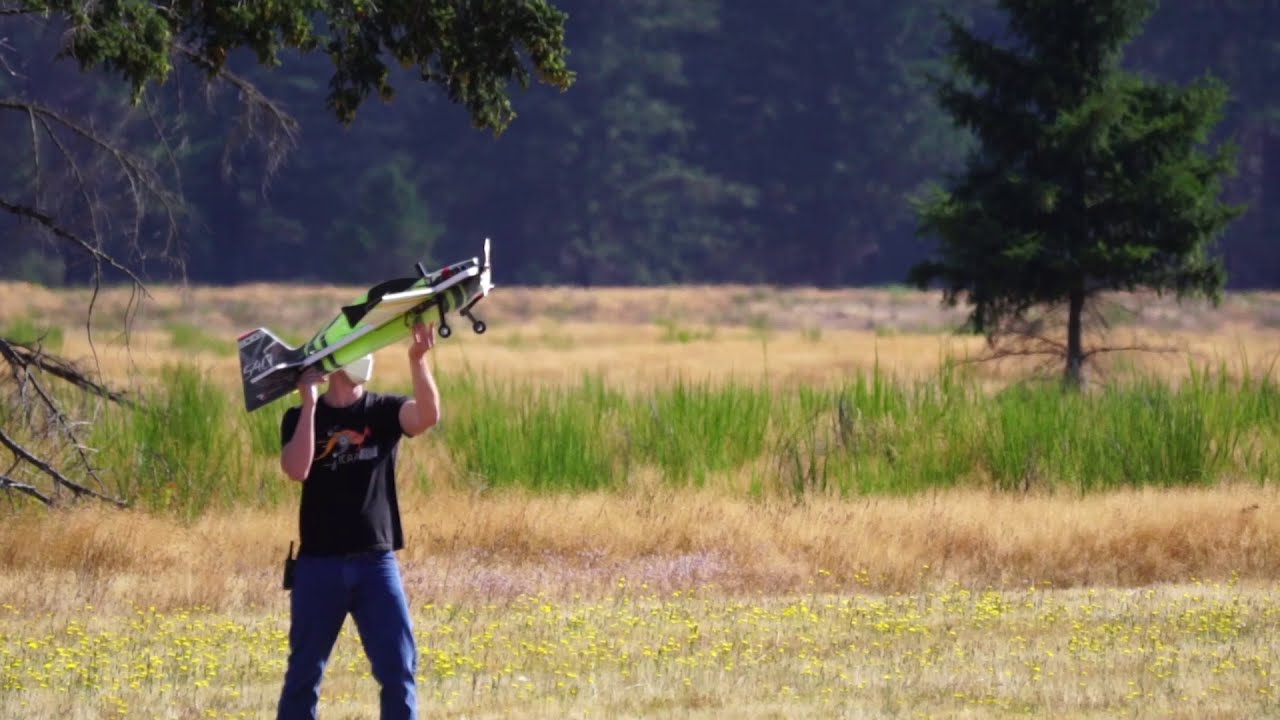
x,y
504,434
689,431
29,331
189,446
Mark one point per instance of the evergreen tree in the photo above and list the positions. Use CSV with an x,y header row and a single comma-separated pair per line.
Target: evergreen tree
x,y
1085,179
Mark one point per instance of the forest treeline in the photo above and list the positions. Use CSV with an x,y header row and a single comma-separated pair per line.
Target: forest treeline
x,y
703,141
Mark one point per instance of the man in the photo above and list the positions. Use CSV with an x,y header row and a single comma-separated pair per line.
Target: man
x,y
342,447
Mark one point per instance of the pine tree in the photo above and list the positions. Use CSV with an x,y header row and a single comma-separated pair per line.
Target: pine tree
x,y
1085,178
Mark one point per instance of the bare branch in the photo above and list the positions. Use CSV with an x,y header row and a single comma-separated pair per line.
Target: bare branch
x,y
281,129
82,184
1005,354
1164,349
94,138
35,151
52,472
103,191
4,62
52,226
8,483
21,365
20,355
1027,335
142,179
170,155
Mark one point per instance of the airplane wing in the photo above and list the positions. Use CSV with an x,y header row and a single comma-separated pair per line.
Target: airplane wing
x,y
355,312
397,303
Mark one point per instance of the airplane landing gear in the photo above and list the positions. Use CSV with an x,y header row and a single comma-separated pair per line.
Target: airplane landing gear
x,y
477,325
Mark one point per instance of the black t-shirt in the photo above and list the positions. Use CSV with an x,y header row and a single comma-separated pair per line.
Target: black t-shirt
x,y
349,497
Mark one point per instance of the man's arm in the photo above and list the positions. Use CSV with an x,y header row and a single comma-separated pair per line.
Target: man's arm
x,y
300,450
421,412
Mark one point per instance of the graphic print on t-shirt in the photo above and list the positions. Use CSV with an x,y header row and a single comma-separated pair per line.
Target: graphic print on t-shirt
x,y
346,446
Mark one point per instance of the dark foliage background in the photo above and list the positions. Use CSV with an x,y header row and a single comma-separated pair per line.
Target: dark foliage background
x,y
703,141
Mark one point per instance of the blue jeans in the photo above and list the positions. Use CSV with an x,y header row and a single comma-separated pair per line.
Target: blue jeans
x,y
325,590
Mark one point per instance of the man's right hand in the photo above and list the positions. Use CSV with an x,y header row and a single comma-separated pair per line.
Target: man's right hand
x,y
307,385
299,452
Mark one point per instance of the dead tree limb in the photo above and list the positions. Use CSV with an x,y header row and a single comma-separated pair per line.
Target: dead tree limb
x,y
49,223
22,359
8,483
260,118
94,199
53,473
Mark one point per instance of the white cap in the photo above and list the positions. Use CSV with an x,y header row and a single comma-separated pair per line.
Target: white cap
x,y
359,370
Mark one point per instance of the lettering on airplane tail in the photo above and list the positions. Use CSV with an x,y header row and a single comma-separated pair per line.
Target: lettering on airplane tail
x,y
262,364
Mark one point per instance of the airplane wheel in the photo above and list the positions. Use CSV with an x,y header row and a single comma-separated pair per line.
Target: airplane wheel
x,y
479,327
445,330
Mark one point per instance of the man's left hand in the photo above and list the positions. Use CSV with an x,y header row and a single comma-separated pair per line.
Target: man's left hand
x,y
424,338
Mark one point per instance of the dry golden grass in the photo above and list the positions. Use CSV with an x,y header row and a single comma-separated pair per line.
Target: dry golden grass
x,y
879,574
641,336
469,546
659,604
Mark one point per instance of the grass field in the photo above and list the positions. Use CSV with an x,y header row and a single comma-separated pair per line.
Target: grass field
x,y
694,502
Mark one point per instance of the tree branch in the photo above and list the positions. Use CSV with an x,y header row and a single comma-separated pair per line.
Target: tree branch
x,y
1020,336
1004,354
20,364
8,483
48,222
142,180
100,186
4,63
52,472
20,355
282,128
1165,349
87,190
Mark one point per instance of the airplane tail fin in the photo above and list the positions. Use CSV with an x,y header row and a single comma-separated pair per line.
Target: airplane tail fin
x,y
266,369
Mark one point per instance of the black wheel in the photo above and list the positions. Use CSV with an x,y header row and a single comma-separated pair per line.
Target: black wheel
x,y
479,327
445,330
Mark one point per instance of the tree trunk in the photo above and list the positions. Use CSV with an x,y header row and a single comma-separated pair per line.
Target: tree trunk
x,y
1074,374
1270,210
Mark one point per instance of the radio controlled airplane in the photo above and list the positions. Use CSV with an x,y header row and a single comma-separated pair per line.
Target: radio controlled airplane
x,y
269,368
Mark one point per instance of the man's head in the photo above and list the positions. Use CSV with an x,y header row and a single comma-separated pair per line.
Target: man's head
x,y
359,371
